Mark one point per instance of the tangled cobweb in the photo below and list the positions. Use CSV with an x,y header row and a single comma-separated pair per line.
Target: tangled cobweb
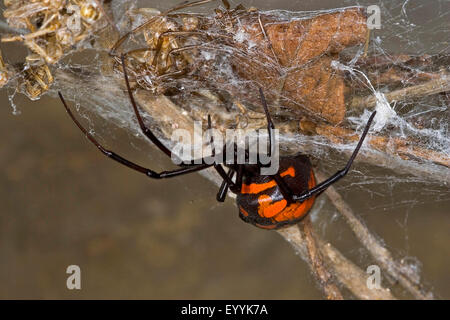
x,y
224,57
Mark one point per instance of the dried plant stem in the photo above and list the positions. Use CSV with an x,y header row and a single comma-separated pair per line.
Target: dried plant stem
x,y
374,246
404,148
399,153
351,276
425,89
316,262
343,270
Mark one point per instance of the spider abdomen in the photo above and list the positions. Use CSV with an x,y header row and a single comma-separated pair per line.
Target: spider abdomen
x,y
261,203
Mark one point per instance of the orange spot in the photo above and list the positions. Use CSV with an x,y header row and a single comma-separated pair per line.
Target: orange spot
x,y
267,208
255,188
312,180
289,172
245,213
295,210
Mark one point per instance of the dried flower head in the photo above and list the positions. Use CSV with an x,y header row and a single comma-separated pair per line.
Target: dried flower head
x,y
55,28
4,73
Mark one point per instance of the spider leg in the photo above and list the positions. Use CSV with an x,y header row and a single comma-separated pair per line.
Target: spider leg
x,y
222,194
149,173
183,5
211,138
227,177
145,130
338,175
236,188
217,166
270,125
224,176
284,188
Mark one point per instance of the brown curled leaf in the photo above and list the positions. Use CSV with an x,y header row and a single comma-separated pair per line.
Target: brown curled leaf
x,y
295,58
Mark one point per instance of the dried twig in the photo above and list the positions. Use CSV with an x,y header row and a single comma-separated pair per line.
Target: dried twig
x,y
421,90
404,148
400,153
344,271
316,263
375,247
351,276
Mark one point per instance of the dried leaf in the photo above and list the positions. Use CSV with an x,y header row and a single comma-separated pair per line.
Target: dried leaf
x,y
304,50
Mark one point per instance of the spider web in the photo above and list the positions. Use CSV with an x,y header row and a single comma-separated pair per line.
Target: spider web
x,y
413,40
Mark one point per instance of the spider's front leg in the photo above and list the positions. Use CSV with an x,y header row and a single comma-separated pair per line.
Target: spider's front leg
x,y
338,175
112,155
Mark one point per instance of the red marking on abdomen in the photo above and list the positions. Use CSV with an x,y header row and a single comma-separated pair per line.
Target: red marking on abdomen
x,y
255,188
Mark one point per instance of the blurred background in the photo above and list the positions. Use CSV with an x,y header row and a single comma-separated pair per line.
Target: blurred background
x,y
63,203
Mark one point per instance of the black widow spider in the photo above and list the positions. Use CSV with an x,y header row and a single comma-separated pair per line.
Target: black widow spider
x,y
266,201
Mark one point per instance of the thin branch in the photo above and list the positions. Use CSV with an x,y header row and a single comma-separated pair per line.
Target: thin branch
x,y
421,90
351,276
346,272
323,276
391,152
405,148
374,246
